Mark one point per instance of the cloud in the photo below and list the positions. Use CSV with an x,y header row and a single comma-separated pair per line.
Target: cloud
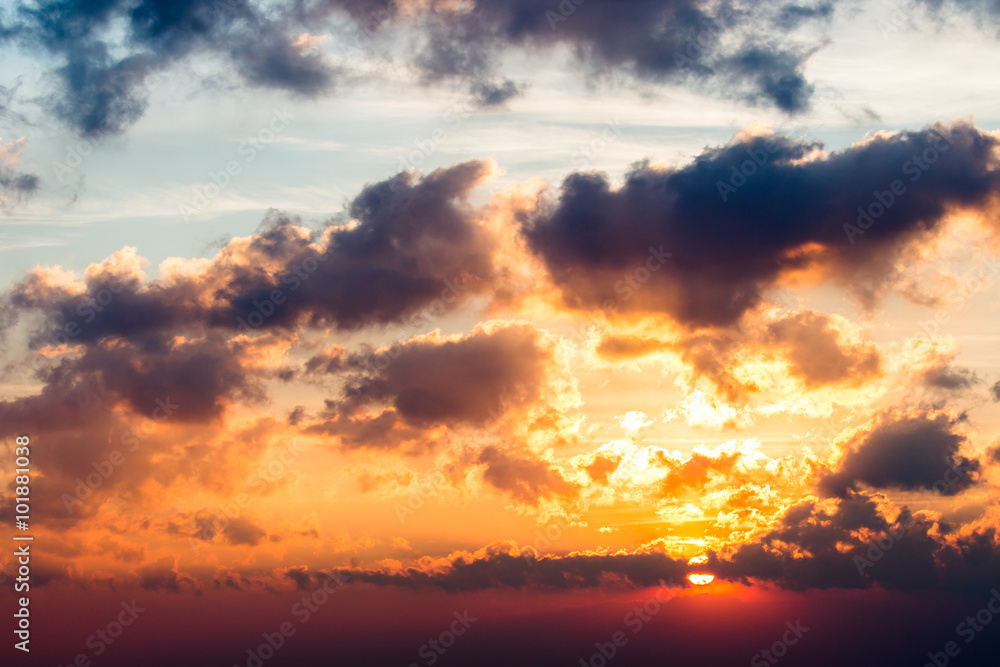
x,y
414,245
524,477
792,16
906,451
679,42
116,414
859,541
144,374
985,11
15,185
502,564
426,381
109,51
235,531
950,378
816,546
406,391
816,353
163,576
613,347
731,237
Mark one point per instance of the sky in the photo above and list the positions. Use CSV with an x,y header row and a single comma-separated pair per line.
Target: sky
x,y
454,332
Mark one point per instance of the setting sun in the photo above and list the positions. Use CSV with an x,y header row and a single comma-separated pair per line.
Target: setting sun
x,y
701,579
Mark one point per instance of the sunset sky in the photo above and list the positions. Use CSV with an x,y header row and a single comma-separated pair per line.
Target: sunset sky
x,y
455,332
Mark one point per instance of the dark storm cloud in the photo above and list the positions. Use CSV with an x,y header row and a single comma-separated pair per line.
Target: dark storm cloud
x,y
203,375
119,414
950,378
909,452
791,16
984,10
426,383
472,379
503,565
811,529
855,546
674,41
733,236
101,85
995,392
417,245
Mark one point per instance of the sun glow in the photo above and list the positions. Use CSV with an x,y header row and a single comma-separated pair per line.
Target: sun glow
x,y
701,579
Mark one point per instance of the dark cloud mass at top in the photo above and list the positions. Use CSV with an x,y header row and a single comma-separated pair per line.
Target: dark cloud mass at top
x,y
676,41
102,73
101,85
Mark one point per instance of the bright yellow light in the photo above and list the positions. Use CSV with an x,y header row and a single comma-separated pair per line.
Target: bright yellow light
x,y
701,579
698,560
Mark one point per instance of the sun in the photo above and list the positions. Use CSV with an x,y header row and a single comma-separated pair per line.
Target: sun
x,y
700,579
